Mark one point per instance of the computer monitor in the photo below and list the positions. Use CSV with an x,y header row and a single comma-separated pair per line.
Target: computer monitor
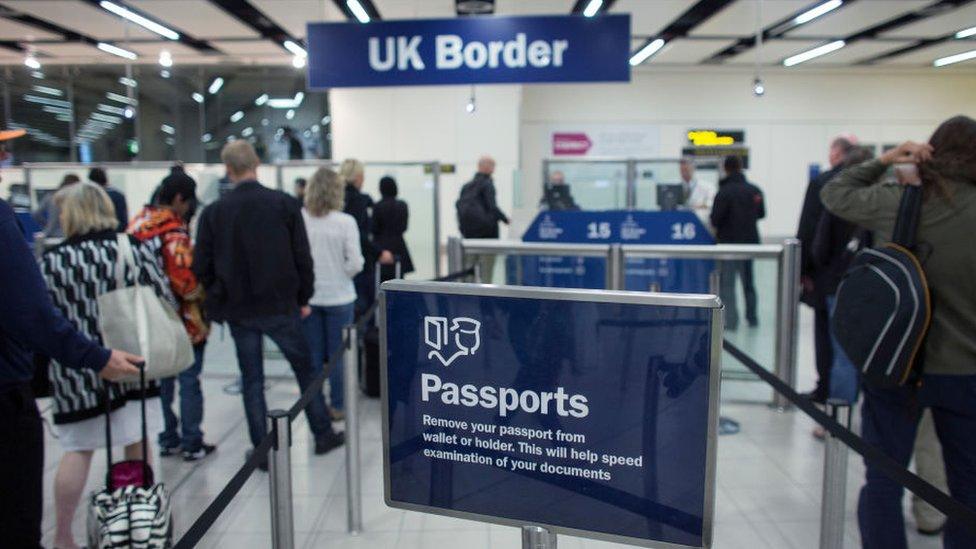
x,y
670,196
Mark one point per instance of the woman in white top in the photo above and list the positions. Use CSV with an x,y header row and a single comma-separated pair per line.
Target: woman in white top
x,y
334,239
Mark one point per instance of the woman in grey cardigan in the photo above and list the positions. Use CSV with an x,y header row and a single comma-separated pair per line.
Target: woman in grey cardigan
x,y
947,173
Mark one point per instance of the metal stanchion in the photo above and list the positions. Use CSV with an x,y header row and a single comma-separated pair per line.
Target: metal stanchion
x,y
787,318
615,268
354,495
477,269
537,537
279,462
455,255
832,506
715,280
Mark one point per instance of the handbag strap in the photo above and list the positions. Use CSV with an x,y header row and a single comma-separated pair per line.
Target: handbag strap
x,y
124,258
108,435
145,437
909,216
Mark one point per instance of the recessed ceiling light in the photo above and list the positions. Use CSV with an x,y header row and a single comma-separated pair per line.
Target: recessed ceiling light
x,y
139,20
952,59
646,52
215,85
593,7
115,50
814,53
817,11
358,10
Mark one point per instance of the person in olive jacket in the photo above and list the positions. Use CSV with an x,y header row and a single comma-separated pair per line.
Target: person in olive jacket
x,y
738,206
946,170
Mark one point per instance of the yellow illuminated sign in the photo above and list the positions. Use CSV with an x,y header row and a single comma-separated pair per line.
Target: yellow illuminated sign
x,y
709,138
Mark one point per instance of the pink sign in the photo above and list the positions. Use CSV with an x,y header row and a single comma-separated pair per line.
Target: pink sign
x,y
570,144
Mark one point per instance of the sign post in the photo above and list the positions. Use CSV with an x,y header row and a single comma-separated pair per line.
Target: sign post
x,y
558,411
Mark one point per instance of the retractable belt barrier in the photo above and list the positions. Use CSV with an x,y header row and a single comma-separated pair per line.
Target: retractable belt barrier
x,y
950,507
213,511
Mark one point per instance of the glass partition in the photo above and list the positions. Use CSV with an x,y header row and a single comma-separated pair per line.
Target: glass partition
x,y
594,185
650,178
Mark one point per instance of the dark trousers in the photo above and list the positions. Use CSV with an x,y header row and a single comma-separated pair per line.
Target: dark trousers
x,y
823,349
21,469
183,431
286,332
365,284
730,270
889,421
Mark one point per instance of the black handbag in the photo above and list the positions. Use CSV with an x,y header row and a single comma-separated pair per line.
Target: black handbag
x,y
883,307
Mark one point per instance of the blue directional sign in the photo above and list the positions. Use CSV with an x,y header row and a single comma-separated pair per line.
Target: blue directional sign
x,y
469,50
615,227
591,413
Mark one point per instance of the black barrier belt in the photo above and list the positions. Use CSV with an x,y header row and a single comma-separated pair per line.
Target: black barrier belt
x,y
209,516
936,498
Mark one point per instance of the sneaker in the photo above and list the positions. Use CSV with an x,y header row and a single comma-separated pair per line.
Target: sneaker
x,y
327,444
169,451
204,451
336,415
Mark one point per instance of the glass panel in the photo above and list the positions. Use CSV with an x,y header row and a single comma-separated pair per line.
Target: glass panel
x,y
594,185
757,341
652,174
416,188
13,187
549,271
40,103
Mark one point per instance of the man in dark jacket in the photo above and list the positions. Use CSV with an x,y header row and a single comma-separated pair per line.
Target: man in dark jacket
x,y
358,204
29,323
97,175
479,214
738,206
814,277
253,259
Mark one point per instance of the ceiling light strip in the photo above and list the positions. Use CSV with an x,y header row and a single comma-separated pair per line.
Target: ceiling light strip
x,y
817,11
819,51
646,52
139,20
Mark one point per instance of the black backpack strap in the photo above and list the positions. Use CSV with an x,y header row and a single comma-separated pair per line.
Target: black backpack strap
x,y
909,217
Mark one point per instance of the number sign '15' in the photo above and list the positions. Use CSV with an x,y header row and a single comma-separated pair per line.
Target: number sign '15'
x,y
470,50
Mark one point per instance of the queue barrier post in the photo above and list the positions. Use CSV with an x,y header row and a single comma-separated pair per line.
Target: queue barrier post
x,y
537,537
455,255
615,267
787,319
350,365
282,516
834,498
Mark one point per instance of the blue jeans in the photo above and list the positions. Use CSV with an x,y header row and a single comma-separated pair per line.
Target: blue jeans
x,y
844,376
889,421
323,329
286,332
189,437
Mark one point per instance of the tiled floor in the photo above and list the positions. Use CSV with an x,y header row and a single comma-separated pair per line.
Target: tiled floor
x,y
768,480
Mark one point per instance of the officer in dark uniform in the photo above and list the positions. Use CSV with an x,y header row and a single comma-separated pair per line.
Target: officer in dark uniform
x,y
738,206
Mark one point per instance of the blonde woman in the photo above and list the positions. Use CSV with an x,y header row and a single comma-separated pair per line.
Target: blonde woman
x,y
78,271
334,240
359,206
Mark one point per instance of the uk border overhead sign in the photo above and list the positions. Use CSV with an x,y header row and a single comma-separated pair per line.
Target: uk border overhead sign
x,y
471,50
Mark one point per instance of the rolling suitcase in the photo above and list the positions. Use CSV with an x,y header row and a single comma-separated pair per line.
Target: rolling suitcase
x,y
369,363
133,510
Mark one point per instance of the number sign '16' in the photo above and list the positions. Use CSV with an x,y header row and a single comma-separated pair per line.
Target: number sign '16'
x,y
470,50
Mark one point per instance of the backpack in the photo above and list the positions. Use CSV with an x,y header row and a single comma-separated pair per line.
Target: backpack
x,y
474,219
883,307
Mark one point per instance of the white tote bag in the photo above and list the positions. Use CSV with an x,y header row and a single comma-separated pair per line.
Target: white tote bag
x,y
136,320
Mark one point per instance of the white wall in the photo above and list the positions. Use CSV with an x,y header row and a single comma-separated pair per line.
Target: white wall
x,y
431,123
786,130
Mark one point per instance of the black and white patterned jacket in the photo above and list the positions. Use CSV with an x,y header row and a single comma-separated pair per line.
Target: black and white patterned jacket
x,y
78,271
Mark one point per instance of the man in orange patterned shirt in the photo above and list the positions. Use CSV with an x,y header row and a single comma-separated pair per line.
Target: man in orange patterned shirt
x,y
165,225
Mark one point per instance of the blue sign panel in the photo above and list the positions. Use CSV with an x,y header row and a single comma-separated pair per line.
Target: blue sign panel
x,y
615,227
590,413
469,50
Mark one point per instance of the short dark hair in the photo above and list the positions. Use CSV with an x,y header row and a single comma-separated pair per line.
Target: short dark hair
x,y
301,182
388,186
97,175
177,183
732,164
69,179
